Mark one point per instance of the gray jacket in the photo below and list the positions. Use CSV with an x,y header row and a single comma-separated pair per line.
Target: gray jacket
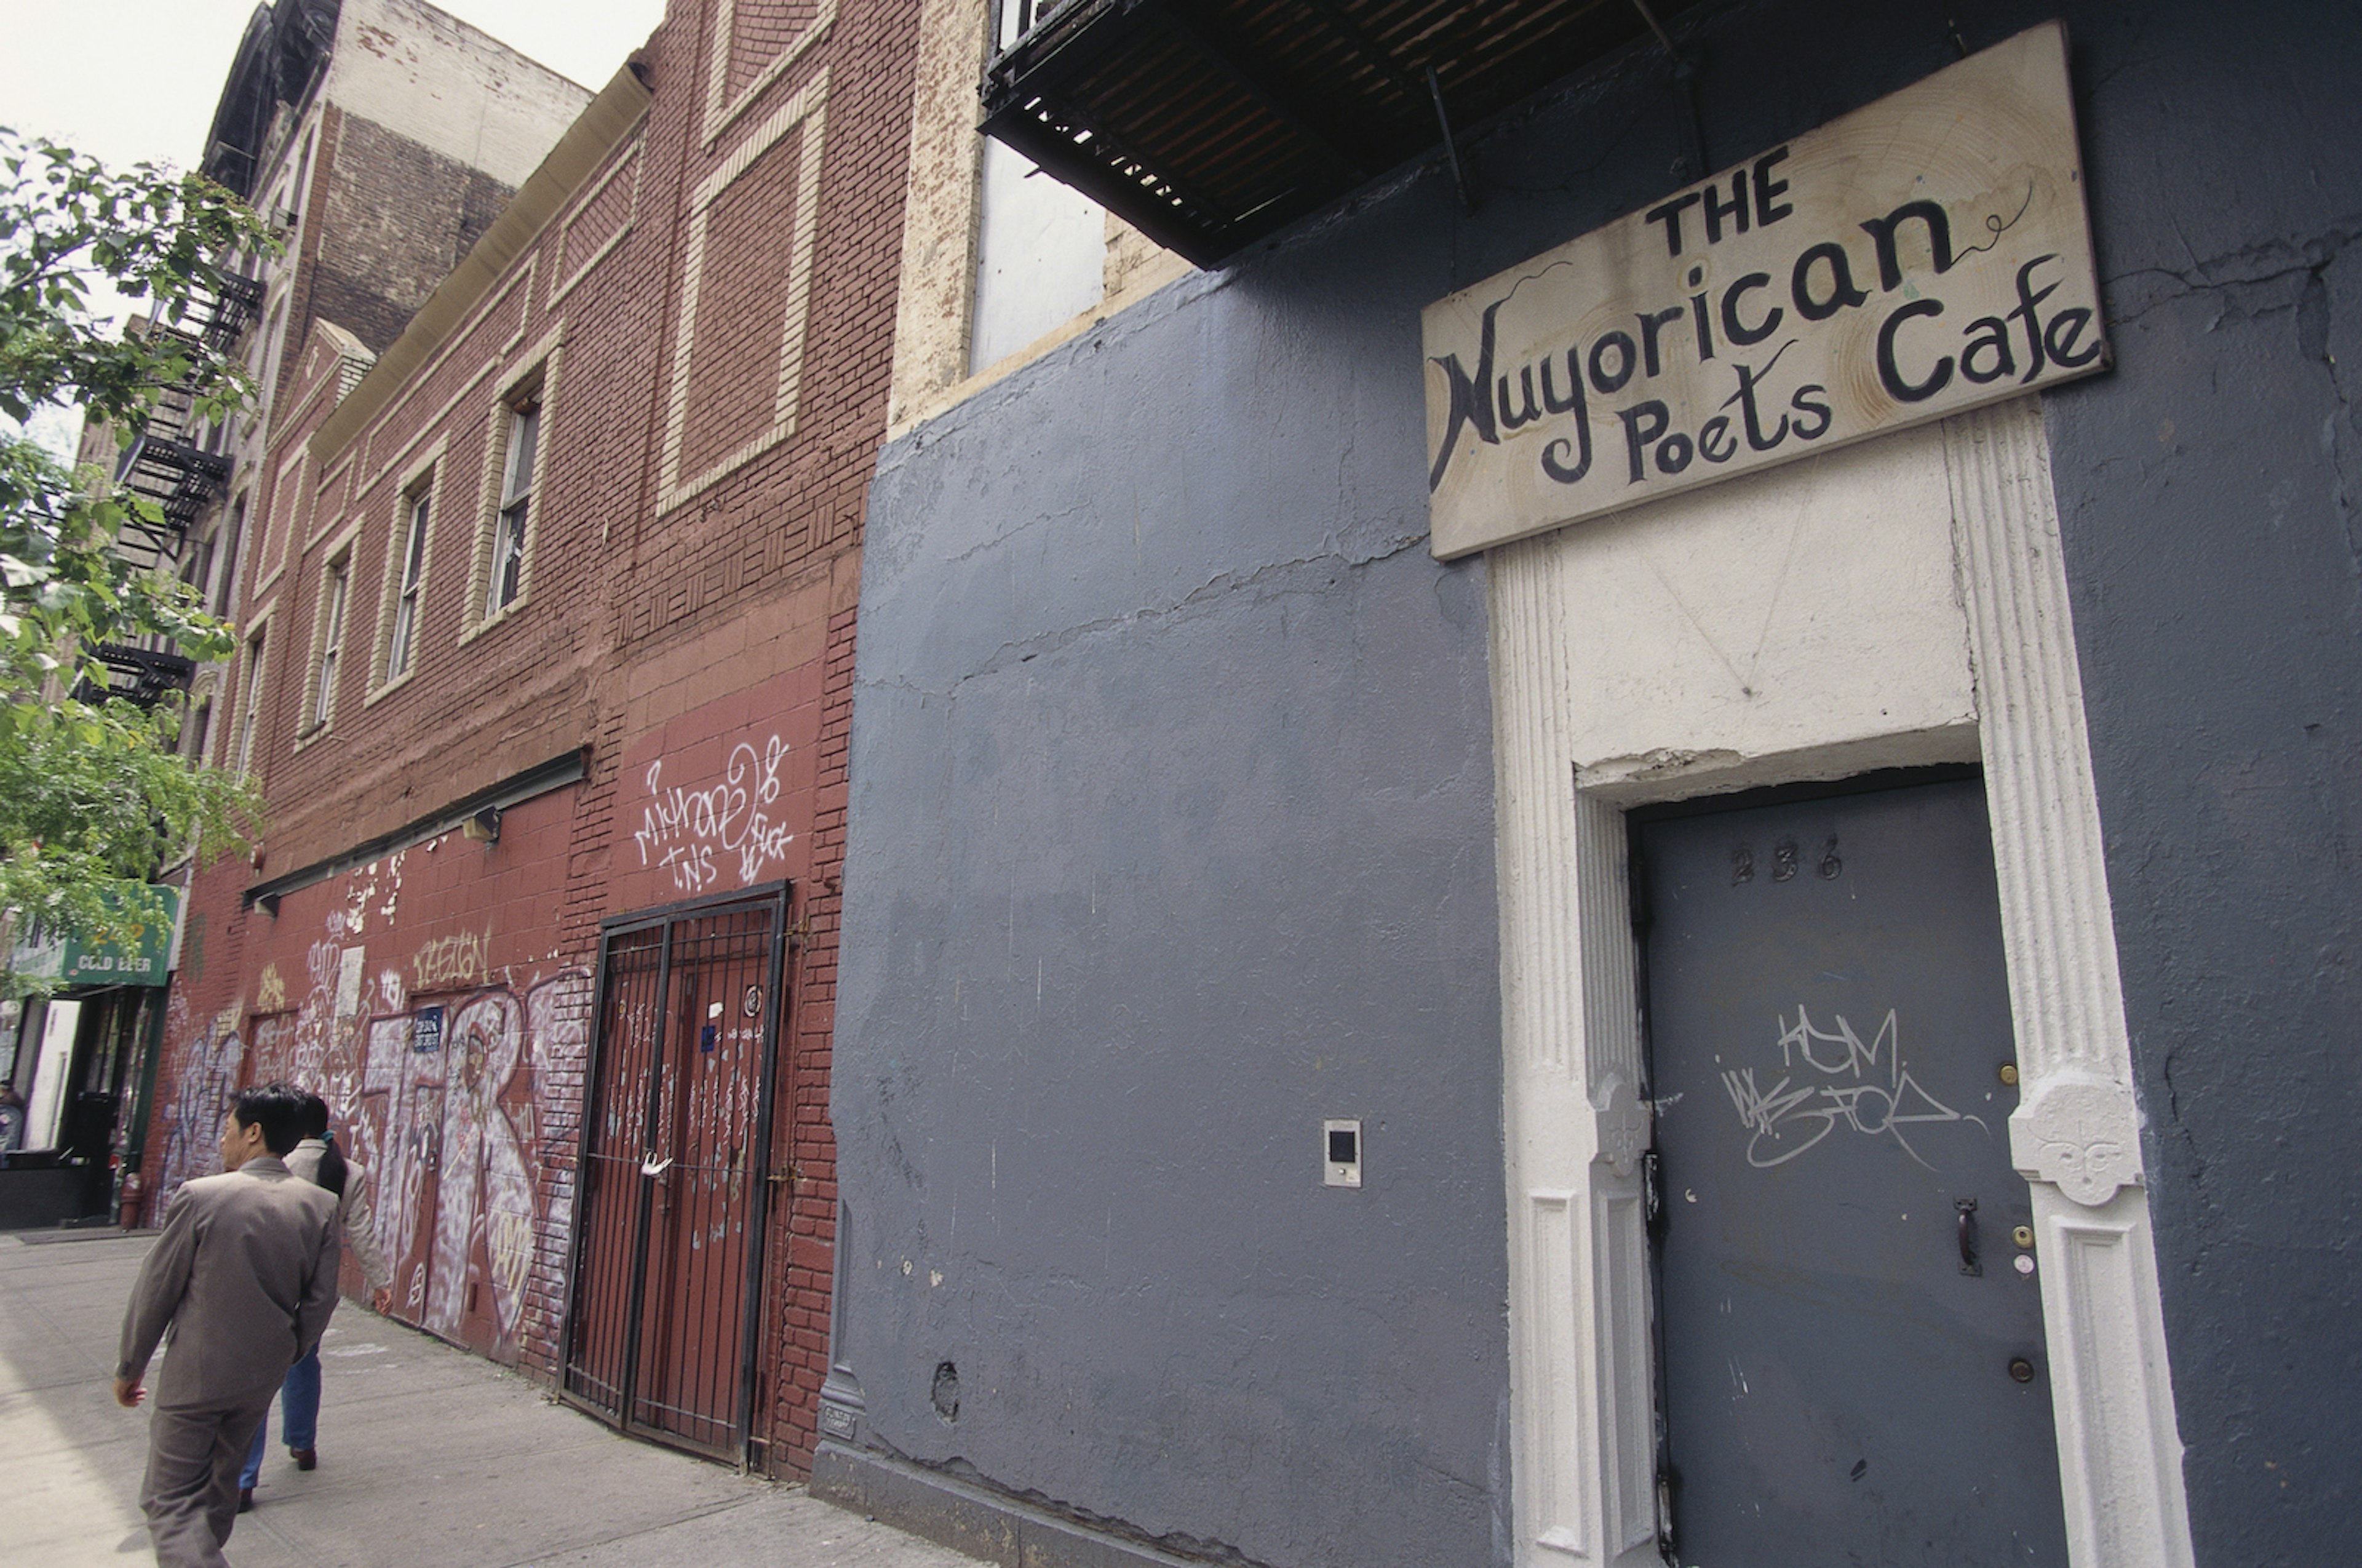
x,y
358,1218
243,1278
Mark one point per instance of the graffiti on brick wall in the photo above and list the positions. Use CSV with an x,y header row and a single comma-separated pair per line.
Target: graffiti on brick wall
x,y
685,831
463,1102
198,1094
449,963
459,1134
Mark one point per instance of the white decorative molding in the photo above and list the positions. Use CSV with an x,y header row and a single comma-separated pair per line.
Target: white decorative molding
x,y
721,105
1583,1416
282,519
2120,1448
1542,998
1621,1128
567,270
2064,989
1611,1012
809,110
1625,1391
1584,1434
2075,1132
1555,1353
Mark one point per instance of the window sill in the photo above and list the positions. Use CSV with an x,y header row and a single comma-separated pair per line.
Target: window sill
x,y
390,687
508,613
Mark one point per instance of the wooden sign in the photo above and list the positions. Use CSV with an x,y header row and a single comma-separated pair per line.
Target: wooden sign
x,y
1927,254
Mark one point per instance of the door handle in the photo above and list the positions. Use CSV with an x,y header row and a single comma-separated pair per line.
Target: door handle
x,y
1966,1209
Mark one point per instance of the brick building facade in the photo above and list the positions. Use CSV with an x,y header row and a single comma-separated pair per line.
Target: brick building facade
x,y
546,677
380,138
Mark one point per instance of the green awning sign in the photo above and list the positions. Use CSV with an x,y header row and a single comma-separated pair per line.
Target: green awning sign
x,y
136,950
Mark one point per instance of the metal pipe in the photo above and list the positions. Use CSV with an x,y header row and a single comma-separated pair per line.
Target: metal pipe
x,y
1451,150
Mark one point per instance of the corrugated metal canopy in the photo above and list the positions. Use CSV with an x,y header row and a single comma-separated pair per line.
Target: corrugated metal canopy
x,y
1208,124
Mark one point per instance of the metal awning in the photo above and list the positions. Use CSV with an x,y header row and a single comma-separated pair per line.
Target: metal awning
x,y
1208,124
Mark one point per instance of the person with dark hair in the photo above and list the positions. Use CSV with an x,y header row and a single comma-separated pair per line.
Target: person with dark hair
x,y
318,1161
238,1288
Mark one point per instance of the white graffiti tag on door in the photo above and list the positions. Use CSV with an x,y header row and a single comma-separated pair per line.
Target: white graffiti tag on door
x,y
1785,1121
685,830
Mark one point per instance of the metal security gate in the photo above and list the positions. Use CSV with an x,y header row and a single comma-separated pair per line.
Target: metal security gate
x,y
1852,1340
668,1262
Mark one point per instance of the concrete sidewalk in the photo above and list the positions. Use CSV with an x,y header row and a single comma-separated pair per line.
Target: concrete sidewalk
x,y
428,1455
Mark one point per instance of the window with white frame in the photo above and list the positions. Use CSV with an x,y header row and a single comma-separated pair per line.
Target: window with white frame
x,y
504,574
282,525
335,587
295,197
197,734
268,372
250,715
225,573
1019,18
408,578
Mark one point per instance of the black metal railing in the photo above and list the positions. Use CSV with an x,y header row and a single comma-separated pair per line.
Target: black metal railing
x,y
166,462
677,1180
138,675
1209,124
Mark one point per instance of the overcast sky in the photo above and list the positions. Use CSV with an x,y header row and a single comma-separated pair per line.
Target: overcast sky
x,y
136,81
133,79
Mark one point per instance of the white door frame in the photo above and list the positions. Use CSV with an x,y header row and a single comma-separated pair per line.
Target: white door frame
x,y
1581,1391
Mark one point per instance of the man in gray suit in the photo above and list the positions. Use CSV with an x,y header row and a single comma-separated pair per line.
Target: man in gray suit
x,y
244,1278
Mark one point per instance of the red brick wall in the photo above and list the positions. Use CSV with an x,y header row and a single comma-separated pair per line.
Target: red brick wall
x,y
385,219
802,1270
665,623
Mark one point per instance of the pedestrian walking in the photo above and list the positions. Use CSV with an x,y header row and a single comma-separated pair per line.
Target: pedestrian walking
x,y
239,1288
318,1161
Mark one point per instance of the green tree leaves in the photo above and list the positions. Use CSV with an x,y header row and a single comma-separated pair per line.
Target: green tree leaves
x,y
93,795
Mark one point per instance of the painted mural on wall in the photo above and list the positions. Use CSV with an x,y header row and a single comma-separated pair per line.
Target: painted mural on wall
x,y
455,1082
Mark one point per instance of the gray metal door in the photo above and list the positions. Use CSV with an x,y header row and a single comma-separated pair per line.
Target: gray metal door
x,y
1851,1344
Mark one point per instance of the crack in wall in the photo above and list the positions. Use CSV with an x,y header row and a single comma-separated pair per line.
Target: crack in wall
x,y
2229,274
1221,586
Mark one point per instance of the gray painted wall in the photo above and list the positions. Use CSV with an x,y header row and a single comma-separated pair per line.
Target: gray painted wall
x,y
2208,492
1173,835
1171,828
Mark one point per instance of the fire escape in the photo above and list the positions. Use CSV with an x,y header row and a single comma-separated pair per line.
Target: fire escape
x,y
1209,124
166,464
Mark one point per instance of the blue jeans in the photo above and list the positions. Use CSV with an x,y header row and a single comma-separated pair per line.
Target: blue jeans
x,y
299,1413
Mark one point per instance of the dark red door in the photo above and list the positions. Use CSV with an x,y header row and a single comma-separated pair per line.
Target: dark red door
x,y
667,1258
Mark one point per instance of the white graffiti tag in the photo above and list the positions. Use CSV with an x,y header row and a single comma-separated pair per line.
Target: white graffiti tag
x,y
685,830
1787,1120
